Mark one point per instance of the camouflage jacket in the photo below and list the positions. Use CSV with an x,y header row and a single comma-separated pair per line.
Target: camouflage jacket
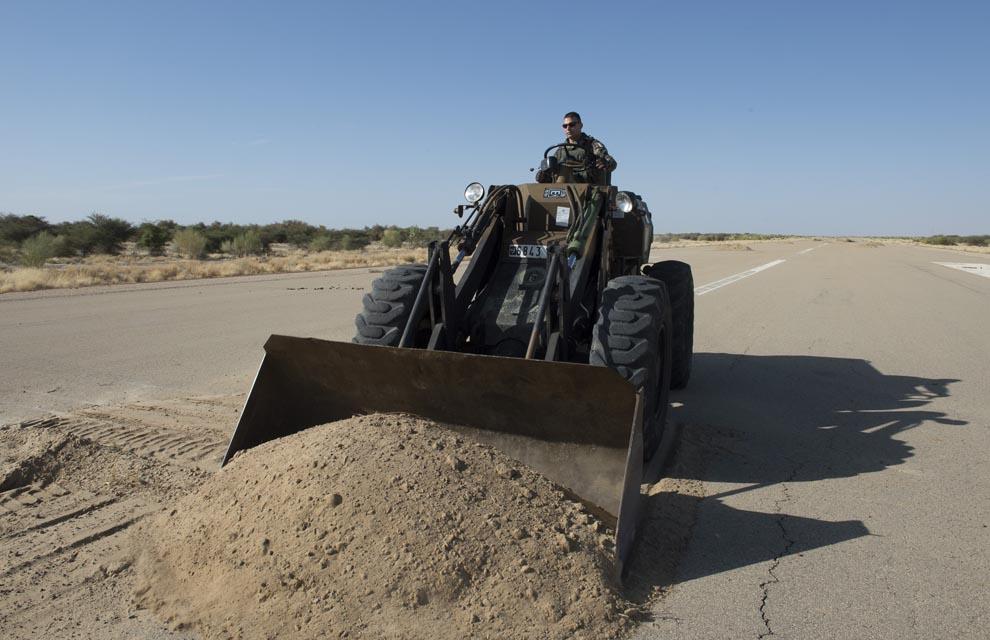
x,y
586,145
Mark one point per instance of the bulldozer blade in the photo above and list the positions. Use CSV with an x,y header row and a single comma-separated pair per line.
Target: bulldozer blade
x,y
578,425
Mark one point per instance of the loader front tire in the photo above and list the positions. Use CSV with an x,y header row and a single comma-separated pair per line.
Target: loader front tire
x,y
633,336
680,288
386,309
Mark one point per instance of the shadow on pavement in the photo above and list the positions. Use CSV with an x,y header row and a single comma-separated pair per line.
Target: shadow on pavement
x,y
812,417
760,421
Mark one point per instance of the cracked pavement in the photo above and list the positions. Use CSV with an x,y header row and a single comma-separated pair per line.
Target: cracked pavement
x,y
788,544
844,396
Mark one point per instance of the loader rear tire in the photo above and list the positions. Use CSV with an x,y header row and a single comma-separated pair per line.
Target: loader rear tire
x,y
633,336
680,288
387,308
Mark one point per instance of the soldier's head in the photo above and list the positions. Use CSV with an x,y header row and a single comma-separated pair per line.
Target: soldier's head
x,y
572,125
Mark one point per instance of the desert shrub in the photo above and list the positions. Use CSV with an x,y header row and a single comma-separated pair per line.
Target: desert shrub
x,y
247,244
154,236
38,249
337,241
108,233
212,234
322,242
61,244
8,253
78,237
349,243
294,232
190,243
422,237
64,247
392,237
353,239
952,240
217,232
375,232
96,234
16,229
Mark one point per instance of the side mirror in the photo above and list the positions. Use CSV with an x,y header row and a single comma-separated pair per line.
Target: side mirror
x,y
549,164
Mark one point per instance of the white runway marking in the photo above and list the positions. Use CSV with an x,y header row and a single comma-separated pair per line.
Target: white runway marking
x,y
711,286
805,251
975,268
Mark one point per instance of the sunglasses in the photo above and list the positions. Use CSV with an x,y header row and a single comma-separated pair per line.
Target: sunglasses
x,y
568,125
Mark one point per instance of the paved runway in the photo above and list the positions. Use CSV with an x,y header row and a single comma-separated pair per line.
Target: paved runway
x,y
842,389
847,394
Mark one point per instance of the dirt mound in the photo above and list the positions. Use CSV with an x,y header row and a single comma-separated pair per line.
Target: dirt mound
x,y
27,454
379,527
71,487
47,454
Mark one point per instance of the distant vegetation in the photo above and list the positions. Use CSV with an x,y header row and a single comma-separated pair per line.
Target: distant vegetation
x,y
31,240
973,241
717,237
944,240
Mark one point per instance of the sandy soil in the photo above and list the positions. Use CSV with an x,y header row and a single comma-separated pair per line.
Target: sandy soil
x,y
71,488
116,525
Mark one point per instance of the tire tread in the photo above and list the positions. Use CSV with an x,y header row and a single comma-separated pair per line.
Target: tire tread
x,y
386,309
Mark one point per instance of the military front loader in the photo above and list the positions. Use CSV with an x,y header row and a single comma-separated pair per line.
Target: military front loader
x,y
538,326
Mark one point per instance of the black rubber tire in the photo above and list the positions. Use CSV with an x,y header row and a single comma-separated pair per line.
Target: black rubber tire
x,y
387,308
680,289
633,336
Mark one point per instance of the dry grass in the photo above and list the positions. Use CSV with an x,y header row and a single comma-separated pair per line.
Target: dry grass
x,y
912,242
966,249
103,270
730,245
959,247
734,246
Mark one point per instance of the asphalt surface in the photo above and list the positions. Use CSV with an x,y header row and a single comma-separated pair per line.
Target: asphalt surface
x,y
843,391
846,392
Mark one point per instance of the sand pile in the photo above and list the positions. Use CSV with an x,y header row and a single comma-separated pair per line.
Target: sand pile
x,y
26,454
379,527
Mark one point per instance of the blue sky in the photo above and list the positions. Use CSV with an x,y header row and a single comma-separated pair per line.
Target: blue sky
x,y
792,117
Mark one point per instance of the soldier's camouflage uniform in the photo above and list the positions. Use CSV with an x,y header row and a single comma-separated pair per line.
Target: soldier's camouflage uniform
x,y
586,145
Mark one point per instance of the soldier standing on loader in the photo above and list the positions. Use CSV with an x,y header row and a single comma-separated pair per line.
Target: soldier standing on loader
x,y
585,147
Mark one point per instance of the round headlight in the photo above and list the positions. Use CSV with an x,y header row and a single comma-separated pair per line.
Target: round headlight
x,y
623,202
474,192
